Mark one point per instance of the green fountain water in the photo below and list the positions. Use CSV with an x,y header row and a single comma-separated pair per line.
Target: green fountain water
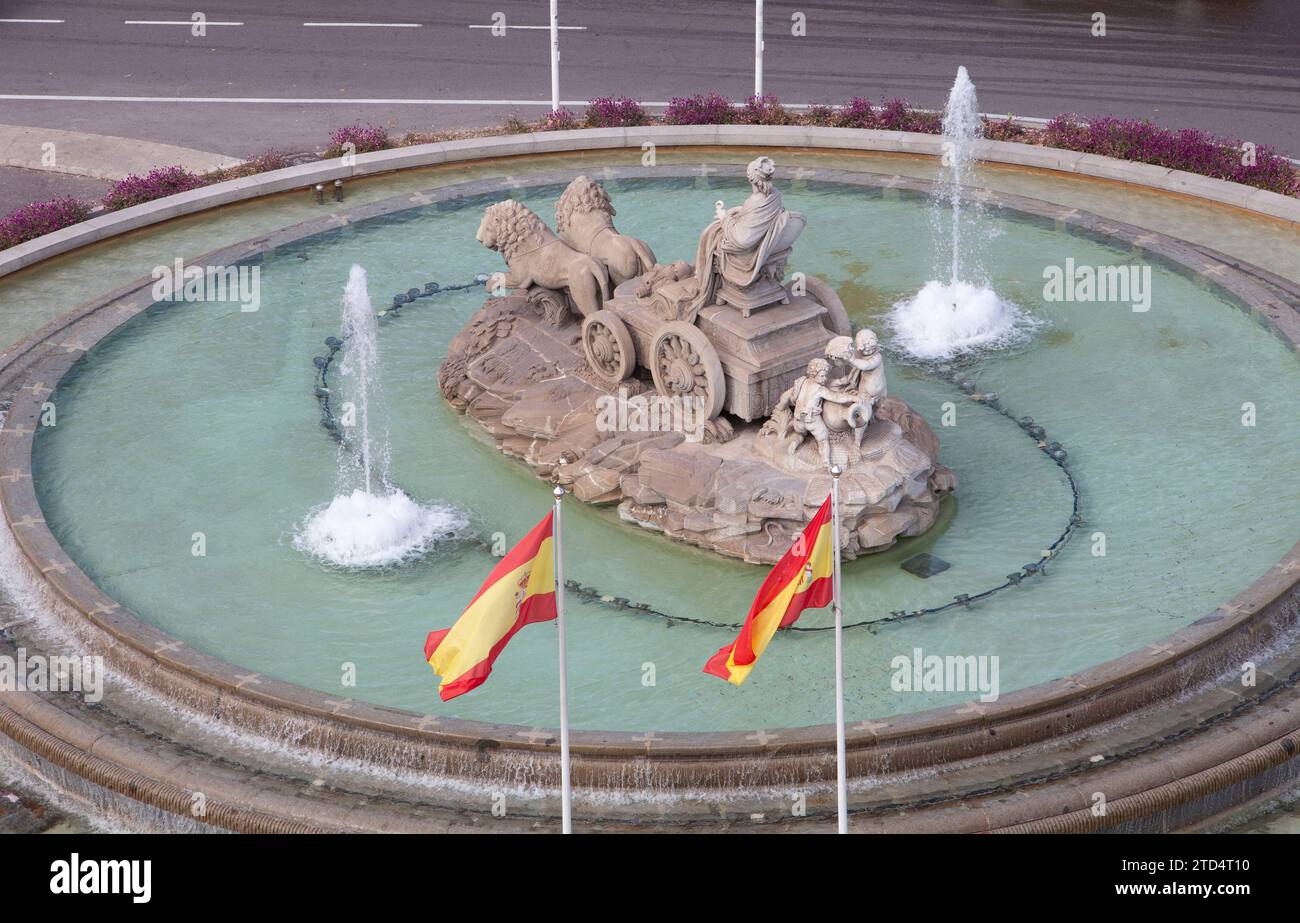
x,y
200,418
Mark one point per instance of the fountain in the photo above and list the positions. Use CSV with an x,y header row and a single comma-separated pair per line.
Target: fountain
x,y
369,523
234,655
360,373
961,128
963,314
760,364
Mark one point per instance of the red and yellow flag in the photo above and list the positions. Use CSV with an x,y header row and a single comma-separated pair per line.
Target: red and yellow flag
x,y
801,580
519,591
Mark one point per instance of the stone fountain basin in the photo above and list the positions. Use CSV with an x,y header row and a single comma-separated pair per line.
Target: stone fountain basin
x,y
1254,619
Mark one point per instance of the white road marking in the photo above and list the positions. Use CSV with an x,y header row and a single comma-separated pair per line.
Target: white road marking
x,y
547,28
33,20
175,22
297,101
367,25
360,101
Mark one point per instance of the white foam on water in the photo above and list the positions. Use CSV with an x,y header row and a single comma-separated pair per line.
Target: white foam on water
x,y
369,523
946,319
376,529
962,315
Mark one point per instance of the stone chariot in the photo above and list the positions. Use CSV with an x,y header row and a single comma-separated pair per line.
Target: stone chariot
x,y
721,358
728,332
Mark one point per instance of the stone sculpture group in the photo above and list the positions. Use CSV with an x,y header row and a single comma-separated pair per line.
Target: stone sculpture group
x,y
823,406
780,384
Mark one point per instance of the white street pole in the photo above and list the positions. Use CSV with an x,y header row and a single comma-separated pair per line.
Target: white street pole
x,y
566,792
758,47
555,55
841,773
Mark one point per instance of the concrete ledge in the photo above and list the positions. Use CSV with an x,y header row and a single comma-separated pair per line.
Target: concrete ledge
x,y
424,155
100,156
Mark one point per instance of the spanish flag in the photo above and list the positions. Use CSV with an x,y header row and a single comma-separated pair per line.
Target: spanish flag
x,y
803,579
519,591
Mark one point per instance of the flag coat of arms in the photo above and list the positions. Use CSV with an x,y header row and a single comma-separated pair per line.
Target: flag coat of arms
x,y
802,579
519,591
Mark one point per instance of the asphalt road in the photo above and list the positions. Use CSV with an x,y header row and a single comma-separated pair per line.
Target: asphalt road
x,y
1226,65
19,187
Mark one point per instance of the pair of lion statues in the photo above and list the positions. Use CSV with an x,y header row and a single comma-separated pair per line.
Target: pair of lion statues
x,y
588,258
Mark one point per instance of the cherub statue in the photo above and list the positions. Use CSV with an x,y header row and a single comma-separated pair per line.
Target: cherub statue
x,y
864,375
802,409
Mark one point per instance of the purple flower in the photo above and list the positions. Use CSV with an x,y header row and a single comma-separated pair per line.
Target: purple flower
x,y
700,109
1189,149
615,112
821,114
363,138
31,221
1007,129
856,113
560,120
898,115
158,182
763,110
267,160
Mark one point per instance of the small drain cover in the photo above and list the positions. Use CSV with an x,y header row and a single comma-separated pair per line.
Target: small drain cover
x,y
925,565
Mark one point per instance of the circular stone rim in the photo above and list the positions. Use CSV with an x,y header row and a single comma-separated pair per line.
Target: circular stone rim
x,y
1251,618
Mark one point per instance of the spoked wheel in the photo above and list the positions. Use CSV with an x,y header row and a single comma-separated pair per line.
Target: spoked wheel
x,y
837,318
684,364
608,346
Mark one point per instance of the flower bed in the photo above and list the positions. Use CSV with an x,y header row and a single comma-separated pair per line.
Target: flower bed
x,y
700,109
31,221
560,120
159,182
262,163
1189,149
362,140
1137,140
615,112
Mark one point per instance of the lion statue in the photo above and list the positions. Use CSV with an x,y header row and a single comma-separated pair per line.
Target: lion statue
x,y
536,257
584,216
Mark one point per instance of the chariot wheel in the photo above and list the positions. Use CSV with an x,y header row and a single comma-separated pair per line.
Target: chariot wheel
x,y
608,346
837,318
684,364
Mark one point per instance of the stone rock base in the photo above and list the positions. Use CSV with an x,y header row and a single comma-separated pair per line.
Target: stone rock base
x,y
726,486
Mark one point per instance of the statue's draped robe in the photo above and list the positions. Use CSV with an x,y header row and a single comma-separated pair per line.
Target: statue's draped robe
x,y
737,247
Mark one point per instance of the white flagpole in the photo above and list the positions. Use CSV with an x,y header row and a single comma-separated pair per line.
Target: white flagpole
x,y
566,792
555,56
841,773
758,47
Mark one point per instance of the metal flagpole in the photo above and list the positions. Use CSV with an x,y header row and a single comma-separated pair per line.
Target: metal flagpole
x,y
566,793
841,774
555,55
758,47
